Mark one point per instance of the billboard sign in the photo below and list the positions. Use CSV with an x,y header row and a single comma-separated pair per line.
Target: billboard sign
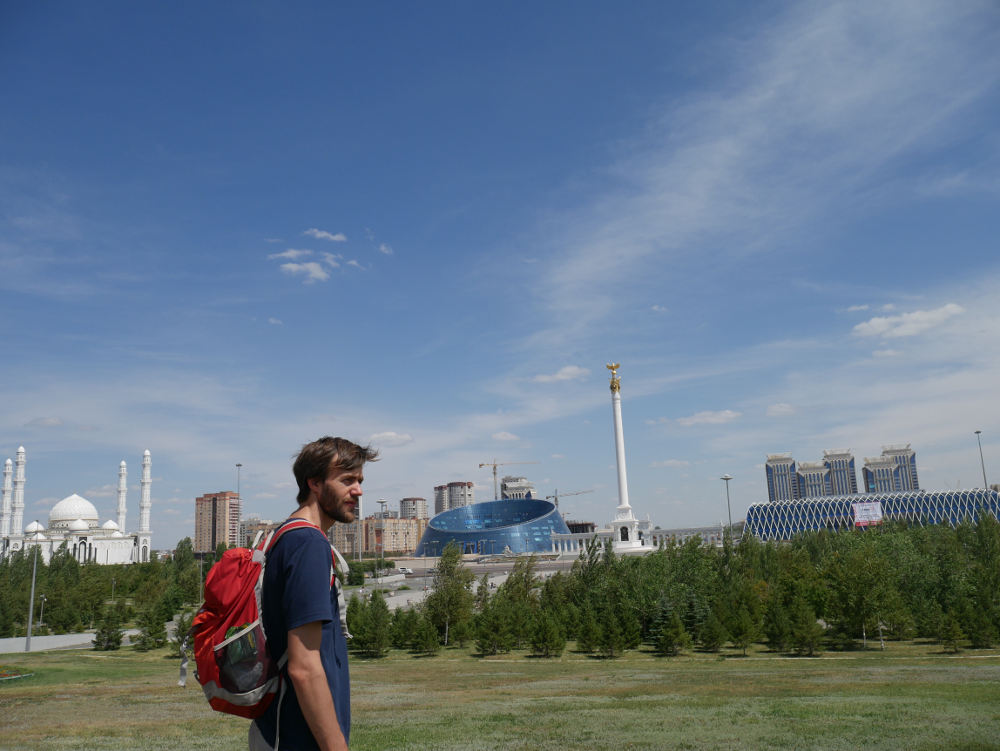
x,y
867,514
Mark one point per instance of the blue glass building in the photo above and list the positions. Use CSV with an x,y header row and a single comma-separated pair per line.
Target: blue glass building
x,y
785,519
524,526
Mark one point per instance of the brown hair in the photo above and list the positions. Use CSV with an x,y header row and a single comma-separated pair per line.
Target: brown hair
x,y
317,458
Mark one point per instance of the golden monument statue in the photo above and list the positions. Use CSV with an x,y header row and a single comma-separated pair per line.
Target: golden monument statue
x,y
616,382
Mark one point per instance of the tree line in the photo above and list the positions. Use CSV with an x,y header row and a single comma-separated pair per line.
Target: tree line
x,y
823,590
80,596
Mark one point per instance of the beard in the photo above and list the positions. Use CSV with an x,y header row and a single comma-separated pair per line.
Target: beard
x,y
339,509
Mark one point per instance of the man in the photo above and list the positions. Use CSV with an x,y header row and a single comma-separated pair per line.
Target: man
x,y
300,608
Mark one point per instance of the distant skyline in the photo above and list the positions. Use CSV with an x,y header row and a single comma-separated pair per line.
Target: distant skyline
x,y
226,230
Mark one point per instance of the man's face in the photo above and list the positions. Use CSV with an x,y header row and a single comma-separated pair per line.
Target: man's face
x,y
340,493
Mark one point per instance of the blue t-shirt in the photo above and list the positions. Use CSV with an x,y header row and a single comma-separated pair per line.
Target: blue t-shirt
x,y
297,591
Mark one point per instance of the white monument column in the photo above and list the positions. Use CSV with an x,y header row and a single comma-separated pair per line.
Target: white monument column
x,y
625,525
17,505
122,493
8,468
144,500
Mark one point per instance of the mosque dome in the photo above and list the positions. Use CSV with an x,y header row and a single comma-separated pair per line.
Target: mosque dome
x,y
70,509
37,537
79,525
109,525
33,528
117,533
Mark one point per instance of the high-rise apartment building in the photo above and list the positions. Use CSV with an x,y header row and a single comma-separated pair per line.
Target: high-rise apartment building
x,y
413,508
373,536
906,459
843,478
516,488
452,495
813,480
782,481
217,519
894,471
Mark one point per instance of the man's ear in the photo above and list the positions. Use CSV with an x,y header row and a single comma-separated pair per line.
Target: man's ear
x,y
314,484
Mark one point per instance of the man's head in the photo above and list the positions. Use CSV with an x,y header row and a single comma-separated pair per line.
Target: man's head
x,y
317,459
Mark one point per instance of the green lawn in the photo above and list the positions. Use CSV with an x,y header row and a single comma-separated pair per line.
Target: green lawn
x,y
910,697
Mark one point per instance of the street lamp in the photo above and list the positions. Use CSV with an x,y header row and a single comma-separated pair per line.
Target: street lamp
x,y
31,600
381,503
729,510
981,462
41,616
238,466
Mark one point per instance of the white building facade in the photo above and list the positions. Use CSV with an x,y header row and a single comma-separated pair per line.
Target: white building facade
x,y
74,521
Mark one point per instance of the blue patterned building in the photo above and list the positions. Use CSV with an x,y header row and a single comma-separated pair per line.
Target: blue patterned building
x,y
783,520
522,526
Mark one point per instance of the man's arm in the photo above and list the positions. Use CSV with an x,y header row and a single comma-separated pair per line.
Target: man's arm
x,y
305,669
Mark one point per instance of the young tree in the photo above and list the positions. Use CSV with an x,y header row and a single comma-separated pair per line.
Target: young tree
x,y
548,639
425,640
588,634
612,640
152,631
713,633
109,632
451,600
374,632
777,625
744,630
952,634
670,637
492,630
807,633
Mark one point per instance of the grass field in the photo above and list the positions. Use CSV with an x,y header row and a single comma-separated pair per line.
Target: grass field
x,y
909,697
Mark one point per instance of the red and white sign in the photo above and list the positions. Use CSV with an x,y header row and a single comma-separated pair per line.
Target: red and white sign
x,y
867,514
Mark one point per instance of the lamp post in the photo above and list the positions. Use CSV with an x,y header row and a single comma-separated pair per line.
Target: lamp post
x,y
381,503
31,601
41,616
729,510
981,462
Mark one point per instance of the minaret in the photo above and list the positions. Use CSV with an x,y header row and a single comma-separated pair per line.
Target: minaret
x,y
5,507
122,492
17,505
144,502
625,525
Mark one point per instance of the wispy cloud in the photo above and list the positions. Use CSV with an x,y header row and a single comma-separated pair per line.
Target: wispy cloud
x,y
503,435
856,308
659,309
44,422
332,259
385,249
708,418
311,270
781,409
391,439
275,321
291,254
567,373
320,234
838,81
671,463
908,324
356,265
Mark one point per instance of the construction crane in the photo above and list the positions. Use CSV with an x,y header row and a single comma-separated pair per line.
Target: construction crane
x,y
495,464
556,496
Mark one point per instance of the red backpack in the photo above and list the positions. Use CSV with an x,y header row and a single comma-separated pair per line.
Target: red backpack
x,y
232,663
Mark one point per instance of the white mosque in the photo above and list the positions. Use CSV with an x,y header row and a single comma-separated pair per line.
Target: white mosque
x,y
74,521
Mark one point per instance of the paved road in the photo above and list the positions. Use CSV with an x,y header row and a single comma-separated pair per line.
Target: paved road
x,y
56,641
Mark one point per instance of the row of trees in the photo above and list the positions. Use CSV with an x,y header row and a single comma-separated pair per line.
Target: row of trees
x,y
823,590
81,596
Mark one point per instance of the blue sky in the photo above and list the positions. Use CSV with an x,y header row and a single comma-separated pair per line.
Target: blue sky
x,y
228,228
